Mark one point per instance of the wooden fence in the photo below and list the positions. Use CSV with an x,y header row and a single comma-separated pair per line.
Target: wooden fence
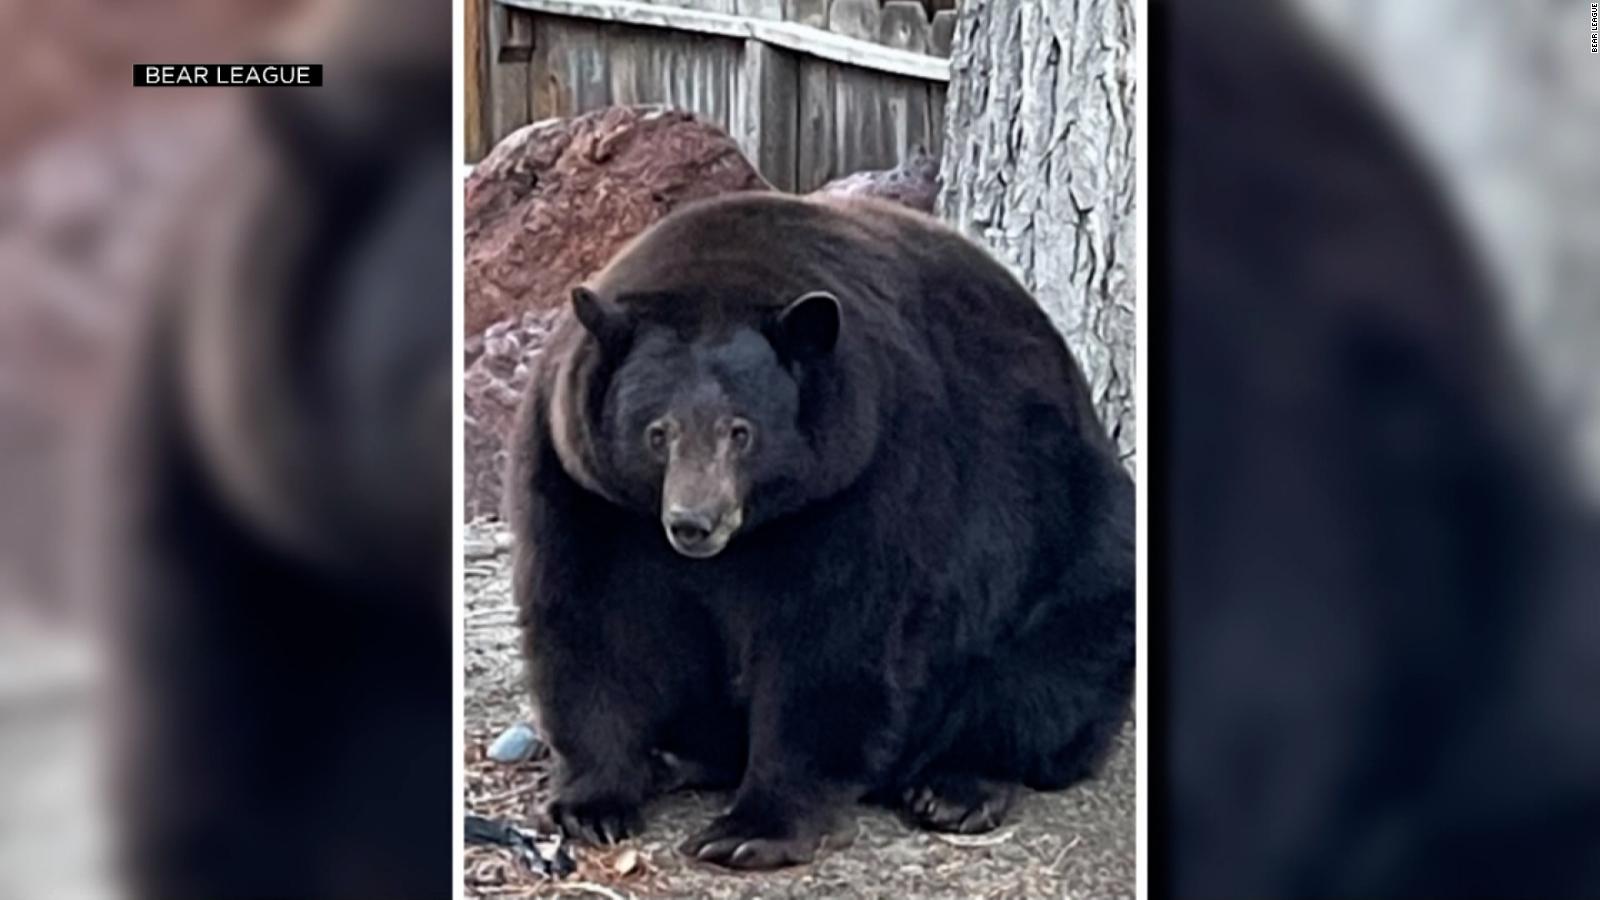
x,y
810,89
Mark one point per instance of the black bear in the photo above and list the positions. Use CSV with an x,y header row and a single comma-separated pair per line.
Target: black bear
x,y
811,498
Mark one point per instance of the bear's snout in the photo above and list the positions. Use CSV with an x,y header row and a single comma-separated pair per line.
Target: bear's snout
x,y
689,528
700,532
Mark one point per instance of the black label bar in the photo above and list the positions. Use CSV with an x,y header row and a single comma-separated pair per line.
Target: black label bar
x,y
227,75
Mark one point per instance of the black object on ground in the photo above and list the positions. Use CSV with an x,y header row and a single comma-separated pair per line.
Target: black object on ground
x,y
546,854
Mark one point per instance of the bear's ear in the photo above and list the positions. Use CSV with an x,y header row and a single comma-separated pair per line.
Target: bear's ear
x,y
607,323
809,327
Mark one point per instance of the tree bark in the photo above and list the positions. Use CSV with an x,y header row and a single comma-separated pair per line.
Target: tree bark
x,y
1039,167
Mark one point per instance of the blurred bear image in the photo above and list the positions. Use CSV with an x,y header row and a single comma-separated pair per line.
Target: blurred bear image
x,y
282,582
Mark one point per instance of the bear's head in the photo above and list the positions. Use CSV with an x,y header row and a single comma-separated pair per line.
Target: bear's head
x,y
702,420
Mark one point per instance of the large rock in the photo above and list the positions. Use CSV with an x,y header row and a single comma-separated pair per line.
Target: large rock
x,y
498,363
553,201
913,183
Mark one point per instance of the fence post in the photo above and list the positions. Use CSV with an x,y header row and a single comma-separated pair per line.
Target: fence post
x,y
510,48
766,118
473,61
943,34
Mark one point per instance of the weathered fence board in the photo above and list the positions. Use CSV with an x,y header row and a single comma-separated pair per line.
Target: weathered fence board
x,y
815,155
473,87
942,33
510,49
805,104
789,35
575,63
768,117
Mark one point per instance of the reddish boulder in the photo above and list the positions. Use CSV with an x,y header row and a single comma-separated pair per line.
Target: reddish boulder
x,y
497,366
553,201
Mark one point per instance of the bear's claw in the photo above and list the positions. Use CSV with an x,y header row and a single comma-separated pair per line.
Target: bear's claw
x,y
734,844
597,821
958,804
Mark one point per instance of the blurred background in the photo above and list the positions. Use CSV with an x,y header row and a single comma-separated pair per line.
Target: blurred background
x,y
1503,108
224,429
1373,535
90,175
89,179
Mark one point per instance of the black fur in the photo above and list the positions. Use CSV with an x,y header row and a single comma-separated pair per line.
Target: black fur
x,y
932,588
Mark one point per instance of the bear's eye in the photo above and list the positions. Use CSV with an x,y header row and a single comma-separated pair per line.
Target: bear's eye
x,y
739,434
656,436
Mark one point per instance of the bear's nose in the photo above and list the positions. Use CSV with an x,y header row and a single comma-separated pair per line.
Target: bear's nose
x,y
689,528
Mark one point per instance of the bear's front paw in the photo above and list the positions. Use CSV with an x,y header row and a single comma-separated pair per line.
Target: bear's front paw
x,y
593,817
749,842
959,804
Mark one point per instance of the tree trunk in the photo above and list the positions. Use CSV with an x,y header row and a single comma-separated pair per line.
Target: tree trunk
x,y
1039,167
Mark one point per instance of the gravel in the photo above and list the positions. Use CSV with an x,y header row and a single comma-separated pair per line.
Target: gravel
x,y
1077,843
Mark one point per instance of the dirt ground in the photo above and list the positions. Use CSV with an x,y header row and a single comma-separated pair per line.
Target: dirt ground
x,y
1077,843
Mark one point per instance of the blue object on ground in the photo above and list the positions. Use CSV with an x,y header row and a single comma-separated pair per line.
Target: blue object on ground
x,y
515,744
